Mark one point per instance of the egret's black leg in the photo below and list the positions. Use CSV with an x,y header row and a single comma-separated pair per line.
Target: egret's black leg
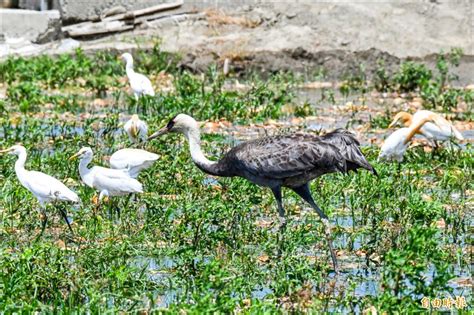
x,y
64,215
45,221
281,211
304,192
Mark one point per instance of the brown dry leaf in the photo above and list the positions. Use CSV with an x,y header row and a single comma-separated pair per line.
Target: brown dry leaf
x,y
370,311
169,197
440,224
61,244
264,223
98,102
426,197
462,282
263,259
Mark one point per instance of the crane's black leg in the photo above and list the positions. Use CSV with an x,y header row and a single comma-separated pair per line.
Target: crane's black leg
x,y
304,192
64,215
281,211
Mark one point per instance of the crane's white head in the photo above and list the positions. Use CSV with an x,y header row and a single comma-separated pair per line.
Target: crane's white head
x,y
14,150
83,153
181,123
127,57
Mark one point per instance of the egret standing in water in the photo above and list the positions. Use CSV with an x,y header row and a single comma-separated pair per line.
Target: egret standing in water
x,y
290,161
109,182
45,188
136,129
139,83
132,161
443,130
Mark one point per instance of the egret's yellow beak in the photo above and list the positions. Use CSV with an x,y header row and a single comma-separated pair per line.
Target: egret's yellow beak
x,y
75,156
6,150
160,132
393,123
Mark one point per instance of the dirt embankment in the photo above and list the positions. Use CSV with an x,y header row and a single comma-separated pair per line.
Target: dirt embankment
x,y
336,37
333,36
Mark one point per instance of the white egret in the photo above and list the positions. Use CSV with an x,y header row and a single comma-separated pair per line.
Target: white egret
x,y
442,131
136,128
45,188
109,182
132,160
139,83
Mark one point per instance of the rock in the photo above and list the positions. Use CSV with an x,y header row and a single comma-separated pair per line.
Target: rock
x,y
74,11
398,101
68,45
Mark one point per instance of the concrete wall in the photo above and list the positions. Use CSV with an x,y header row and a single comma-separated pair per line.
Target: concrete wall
x,y
73,11
30,25
38,4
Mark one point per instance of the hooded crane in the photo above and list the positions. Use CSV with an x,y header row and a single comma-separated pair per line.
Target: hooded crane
x,y
290,161
46,188
443,130
139,83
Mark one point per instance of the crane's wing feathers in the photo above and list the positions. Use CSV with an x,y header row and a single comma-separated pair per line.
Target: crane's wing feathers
x,y
286,156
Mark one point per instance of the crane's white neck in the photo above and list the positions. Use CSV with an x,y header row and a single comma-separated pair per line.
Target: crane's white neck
x,y
194,138
20,164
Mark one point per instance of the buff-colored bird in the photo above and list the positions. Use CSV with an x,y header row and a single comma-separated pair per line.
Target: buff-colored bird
x,y
443,130
395,146
136,129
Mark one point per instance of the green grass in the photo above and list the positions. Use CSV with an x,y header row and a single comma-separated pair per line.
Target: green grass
x,y
187,245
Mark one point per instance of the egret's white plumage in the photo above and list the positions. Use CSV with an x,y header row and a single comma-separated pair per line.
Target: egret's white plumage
x,y
443,130
139,83
136,128
109,182
44,187
132,160
394,146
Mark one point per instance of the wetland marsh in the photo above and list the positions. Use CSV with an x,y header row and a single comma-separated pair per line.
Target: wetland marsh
x,y
195,243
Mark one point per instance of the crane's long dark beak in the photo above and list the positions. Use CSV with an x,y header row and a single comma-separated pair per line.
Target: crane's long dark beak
x,y
160,132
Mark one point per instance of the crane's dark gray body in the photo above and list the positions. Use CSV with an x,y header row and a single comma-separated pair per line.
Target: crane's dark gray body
x,y
280,161
292,160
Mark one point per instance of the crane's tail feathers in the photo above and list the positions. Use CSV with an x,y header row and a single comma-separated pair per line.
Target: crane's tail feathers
x,y
349,148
